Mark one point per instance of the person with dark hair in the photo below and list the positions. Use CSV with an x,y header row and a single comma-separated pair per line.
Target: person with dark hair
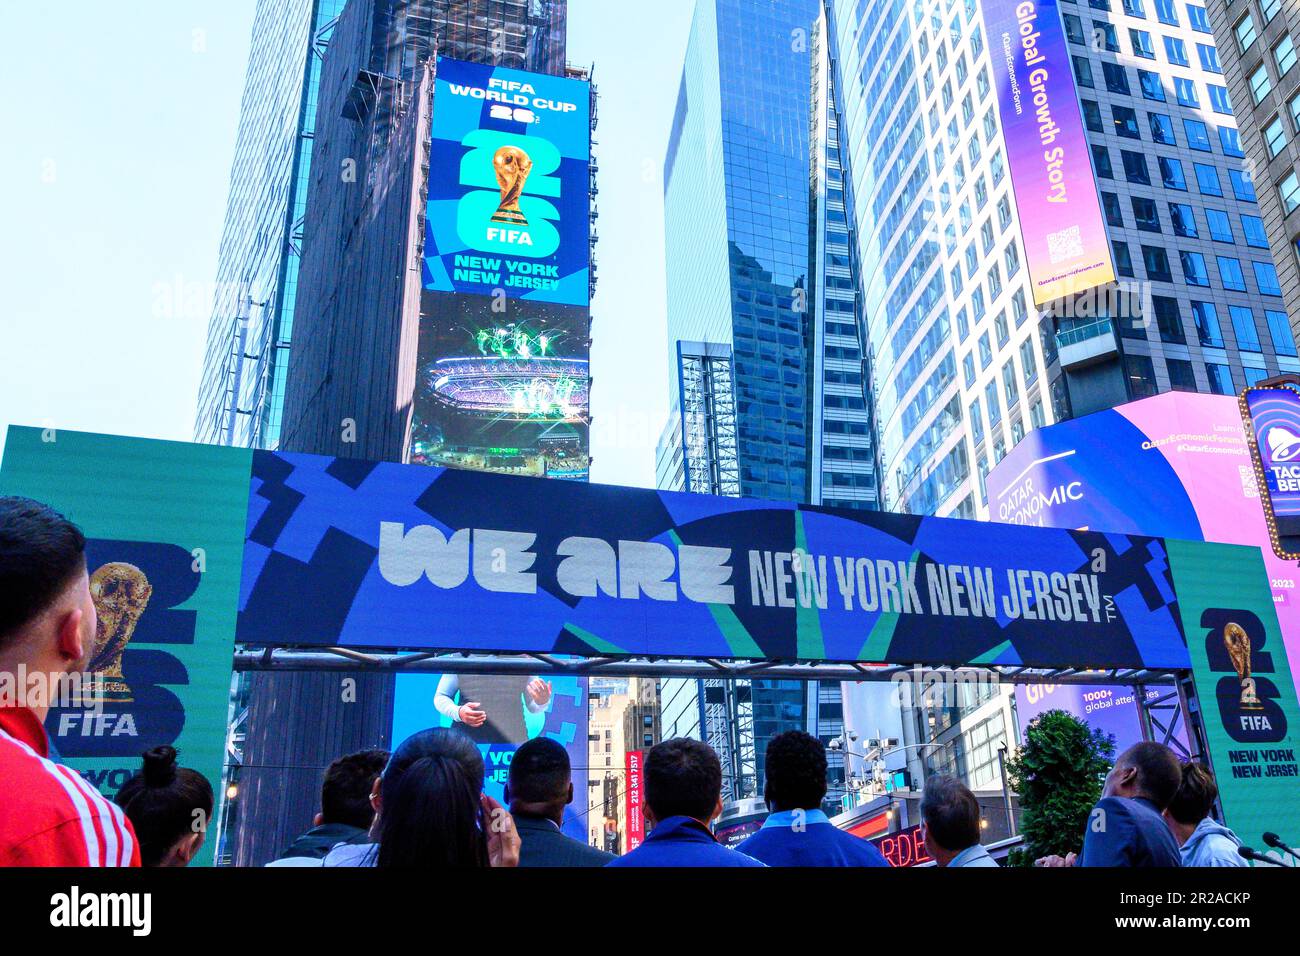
x,y
431,811
540,786
950,824
48,631
1202,841
797,832
170,808
1126,827
345,812
683,794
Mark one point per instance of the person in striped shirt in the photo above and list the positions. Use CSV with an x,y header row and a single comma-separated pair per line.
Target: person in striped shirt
x,y
49,814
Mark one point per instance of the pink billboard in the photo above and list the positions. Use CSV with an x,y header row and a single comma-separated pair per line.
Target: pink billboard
x,y
1177,465
1066,249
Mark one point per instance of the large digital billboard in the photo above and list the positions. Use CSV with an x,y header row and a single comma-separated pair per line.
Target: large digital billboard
x,y
1066,248
163,522
509,183
506,711
1177,465
503,564
1273,417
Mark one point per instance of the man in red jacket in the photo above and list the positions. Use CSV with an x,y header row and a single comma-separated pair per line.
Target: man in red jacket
x,y
49,814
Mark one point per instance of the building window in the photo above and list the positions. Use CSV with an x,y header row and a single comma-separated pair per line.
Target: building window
x,y
1266,278
1123,258
1168,319
1009,385
1243,327
1185,90
1194,271
1110,203
1141,376
1198,135
1142,45
1279,330
1220,225
991,402
1220,101
1092,115
1207,180
1209,58
1030,364
1156,261
1269,8
1284,55
1253,228
1166,12
1289,191
1275,136
1145,215
1074,29
1230,142
1242,187
1082,71
1135,168
1208,331
1220,377
1126,123
976,422
1152,86
1183,220
1162,129
1245,32
1260,84
1176,52
1181,376
1230,274
1171,173
1106,33
1198,18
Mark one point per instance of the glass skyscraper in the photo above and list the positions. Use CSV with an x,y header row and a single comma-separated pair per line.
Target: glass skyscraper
x,y
963,363
242,391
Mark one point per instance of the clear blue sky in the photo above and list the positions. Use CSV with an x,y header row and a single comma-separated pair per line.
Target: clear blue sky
x,y
115,178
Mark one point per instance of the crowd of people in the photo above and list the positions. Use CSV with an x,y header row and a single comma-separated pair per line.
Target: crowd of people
x,y
424,804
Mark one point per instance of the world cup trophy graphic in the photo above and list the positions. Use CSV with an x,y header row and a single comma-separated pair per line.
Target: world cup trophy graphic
x,y
1237,642
512,167
120,592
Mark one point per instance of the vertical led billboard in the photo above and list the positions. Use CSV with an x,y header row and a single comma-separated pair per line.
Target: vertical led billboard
x,y
502,374
1066,249
509,173
1273,417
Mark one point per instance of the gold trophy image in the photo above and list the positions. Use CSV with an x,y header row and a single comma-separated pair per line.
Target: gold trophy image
x,y
1237,642
120,592
512,166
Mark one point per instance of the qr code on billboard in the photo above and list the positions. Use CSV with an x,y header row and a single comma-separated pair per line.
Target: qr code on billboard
x,y
1064,244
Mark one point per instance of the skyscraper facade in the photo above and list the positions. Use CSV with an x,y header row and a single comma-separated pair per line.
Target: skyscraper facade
x,y
964,363
241,394
1257,43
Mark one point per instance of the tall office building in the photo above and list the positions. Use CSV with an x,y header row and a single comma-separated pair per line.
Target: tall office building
x,y
406,347
242,388
1257,43
964,363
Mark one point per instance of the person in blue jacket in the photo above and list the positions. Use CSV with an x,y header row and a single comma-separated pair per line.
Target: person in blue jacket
x,y
1201,840
797,832
1127,826
683,794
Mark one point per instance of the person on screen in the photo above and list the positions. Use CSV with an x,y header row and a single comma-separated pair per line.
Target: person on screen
x,y
540,786
1201,840
48,630
683,794
796,831
491,706
431,811
1127,826
345,812
170,808
950,824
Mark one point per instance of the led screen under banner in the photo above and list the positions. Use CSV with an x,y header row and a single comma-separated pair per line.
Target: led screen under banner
x,y
404,556
164,528
509,184
514,709
1066,249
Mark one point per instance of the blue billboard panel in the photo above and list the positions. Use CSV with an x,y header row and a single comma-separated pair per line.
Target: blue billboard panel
x,y
402,556
513,709
1274,416
509,183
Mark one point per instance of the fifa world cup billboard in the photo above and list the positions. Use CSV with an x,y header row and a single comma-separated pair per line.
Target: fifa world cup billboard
x,y
1066,249
502,360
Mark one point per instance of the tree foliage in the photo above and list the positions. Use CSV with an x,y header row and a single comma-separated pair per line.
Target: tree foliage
x,y
1058,776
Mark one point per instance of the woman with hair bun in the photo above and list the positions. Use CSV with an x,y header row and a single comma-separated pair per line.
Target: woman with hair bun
x,y
169,807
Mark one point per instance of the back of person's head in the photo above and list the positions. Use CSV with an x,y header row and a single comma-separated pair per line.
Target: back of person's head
x,y
345,794
796,771
683,778
540,773
41,554
951,813
429,814
168,806
1195,795
1159,772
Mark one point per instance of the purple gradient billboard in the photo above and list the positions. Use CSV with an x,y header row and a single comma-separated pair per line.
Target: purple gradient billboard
x,y
1066,249
1177,465
1110,709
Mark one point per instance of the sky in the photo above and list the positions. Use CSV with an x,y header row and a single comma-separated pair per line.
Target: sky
x,y
114,196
